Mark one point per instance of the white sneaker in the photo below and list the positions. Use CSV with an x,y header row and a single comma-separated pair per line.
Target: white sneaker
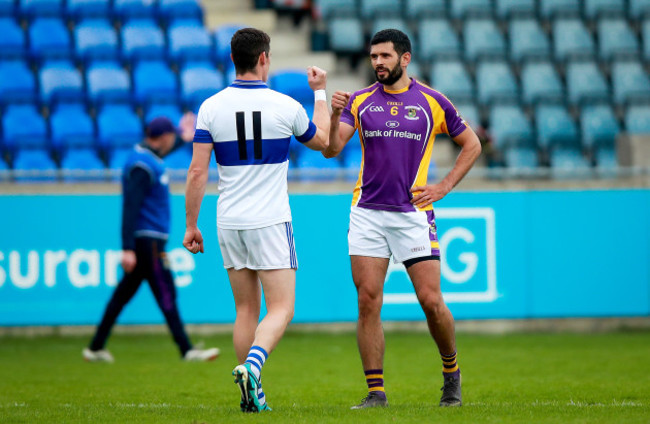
x,y
97,355
201,355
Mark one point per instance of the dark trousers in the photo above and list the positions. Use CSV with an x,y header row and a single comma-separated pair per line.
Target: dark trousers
x,y
152,266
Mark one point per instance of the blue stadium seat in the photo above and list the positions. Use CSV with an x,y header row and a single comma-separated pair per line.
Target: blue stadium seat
x,y
630,82
168,110
453,80
439,40
24,128
179,161
509,8
72,127
639,9
118,126
616,39
82,165
39,160
645,34
117,160
540,82
128,9
82,9
470,114
222,36
142,39
231,74
327,9
346,35
461,9
95,39
598,8
419,9
637,119
313,166
568,161
12,43
394,23
496,82
169,10
510,127
559,8
107,82
188,40
483,39
49,39
523,159
32,8
154,81
60,81
527,40
599,127
198,82
294,84
373,8
8,8
572,39
17,82
555,127
585,83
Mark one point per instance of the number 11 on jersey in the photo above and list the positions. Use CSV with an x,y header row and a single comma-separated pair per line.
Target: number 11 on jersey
x,y
257,135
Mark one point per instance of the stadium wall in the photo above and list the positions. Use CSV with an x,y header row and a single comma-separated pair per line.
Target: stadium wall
x,y
506,255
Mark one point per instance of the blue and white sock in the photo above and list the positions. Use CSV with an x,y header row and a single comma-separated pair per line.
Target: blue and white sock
x,y
256,358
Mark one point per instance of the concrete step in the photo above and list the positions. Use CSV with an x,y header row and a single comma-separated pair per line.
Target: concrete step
x,y
261,19
325,61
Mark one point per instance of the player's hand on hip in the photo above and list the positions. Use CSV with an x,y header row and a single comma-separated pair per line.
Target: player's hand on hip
x,y
129,261
423,196
193,240
317,78
340,100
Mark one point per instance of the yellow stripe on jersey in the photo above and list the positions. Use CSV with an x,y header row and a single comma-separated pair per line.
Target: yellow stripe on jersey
x,y
354,109
435,244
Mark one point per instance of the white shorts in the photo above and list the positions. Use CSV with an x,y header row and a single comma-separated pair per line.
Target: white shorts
x,y
260,248
404,235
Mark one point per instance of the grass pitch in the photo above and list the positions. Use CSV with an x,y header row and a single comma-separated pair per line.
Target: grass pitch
x,y
315,378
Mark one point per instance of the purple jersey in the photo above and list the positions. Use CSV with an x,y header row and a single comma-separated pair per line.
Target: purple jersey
x,y
397,130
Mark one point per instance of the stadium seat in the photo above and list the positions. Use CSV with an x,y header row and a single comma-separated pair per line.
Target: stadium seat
x,y
60,81
327,9
461,9
527,40
508,8
128,9
95,39
555,127
198,82
639,9
630,82
616,39
585,83
188,40
510,127
49,39
346,35
371,9
169,10
559,8
599,127
117,160
118,126
222,36
82,165
72,127
572,39
32,8
82,9
540,82
107,82
470,114
178,161
568,161
522,159
231,74
395,23
597,8
294,84
313,166
7,8
496,82
645,31
483,39
12,42
17,82
419,9
142,39
438,40
28,161
24,128
154,81
637,119
168,110
453,80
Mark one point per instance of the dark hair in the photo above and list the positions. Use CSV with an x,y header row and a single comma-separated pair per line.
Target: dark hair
x,y
246,46
400,41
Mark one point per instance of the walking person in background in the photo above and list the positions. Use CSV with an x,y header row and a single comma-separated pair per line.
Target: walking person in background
x,y
249,127
145,228
392,213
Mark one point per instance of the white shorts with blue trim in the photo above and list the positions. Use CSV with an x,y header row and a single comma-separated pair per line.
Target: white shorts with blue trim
x,y
260,248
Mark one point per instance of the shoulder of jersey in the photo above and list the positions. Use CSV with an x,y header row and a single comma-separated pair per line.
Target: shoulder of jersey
x,y
368,89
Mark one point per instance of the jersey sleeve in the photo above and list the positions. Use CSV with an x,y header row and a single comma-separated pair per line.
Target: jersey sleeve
x,y
347,116
454,123
303,128
202,133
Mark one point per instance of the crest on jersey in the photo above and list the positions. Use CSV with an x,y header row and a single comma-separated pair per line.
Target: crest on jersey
x,y
412,112
432,228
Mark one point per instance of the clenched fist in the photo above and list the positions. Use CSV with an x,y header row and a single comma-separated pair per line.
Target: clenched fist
x,y
340,100
317,78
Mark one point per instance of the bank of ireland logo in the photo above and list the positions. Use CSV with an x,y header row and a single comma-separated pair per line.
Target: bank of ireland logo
x,y
412,113
467,259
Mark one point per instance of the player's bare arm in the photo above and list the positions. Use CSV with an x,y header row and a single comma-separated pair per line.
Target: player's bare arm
x,y
317,79
197,178
340,133
470,151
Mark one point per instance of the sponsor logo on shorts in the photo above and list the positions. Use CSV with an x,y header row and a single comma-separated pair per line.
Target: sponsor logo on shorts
x,y
418,249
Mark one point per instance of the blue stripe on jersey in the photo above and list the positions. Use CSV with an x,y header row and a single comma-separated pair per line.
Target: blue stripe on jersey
x,y
202,136
273,151
248,84
309,134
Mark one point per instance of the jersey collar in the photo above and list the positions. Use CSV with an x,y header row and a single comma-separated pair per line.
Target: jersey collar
x,y
248,84
403,90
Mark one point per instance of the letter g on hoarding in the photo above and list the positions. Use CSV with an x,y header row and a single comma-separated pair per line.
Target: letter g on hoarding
x,y
469,259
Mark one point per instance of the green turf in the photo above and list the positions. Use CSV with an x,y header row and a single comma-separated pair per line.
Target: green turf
x,y
315,378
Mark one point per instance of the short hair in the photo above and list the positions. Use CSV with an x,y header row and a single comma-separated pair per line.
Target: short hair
x,y
401,41
246,46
